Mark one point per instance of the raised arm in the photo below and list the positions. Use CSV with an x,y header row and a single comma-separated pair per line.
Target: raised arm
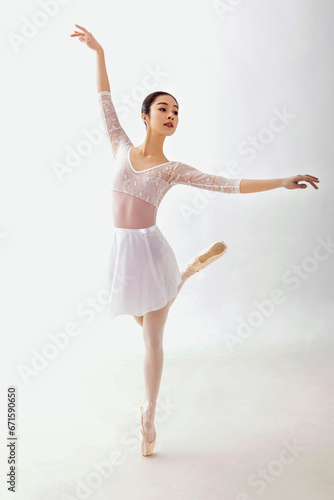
x,y
101,72
112,126
87,37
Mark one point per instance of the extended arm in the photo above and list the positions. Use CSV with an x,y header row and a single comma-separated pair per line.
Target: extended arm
x,y
185,174
255,185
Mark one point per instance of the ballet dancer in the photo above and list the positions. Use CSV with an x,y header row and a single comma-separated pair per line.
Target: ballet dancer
x,y
144,277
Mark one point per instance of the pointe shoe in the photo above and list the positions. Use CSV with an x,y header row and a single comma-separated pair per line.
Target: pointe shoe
x,y
147,446
206,257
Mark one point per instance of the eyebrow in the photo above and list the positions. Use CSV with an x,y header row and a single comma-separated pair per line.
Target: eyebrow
x,y
166,104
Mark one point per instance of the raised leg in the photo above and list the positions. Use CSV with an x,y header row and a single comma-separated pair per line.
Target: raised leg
x,y
184,277
210,254
153,329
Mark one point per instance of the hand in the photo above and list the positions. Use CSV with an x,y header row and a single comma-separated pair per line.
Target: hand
x,y
87,37
292,182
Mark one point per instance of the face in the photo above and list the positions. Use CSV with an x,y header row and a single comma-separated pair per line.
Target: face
x,y
163,110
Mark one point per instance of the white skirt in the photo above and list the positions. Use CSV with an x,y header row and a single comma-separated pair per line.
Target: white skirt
x,y
143,271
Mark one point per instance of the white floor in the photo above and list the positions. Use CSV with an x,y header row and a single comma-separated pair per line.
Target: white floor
x,y
241,427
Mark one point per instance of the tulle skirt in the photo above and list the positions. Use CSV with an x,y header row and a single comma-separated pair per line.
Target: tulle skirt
x,y
143,271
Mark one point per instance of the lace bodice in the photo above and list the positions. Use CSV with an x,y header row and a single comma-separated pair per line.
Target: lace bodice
x,y
152,184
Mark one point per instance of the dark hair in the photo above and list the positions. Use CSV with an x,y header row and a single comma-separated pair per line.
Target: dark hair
x,y
148,101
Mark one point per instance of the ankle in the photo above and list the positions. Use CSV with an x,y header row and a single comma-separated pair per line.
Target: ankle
x,y
149,408
187,273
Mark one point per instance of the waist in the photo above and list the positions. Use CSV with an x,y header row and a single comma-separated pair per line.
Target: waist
x,y
138,230
131,212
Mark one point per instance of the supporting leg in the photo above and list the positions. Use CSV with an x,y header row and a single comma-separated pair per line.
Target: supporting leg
x,y
153,329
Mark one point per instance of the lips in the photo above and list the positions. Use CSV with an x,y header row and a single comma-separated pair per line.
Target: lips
x,y
169,124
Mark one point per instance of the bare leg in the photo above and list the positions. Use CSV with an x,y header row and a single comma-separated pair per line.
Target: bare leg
x,y
153,329
139,320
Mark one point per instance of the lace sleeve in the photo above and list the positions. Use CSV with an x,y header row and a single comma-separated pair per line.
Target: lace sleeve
x,y
185,174
112,127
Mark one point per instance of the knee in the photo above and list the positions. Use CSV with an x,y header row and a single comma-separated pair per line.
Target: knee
x,y
153,342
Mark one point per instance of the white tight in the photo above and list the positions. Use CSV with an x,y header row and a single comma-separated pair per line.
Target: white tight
x,y
153,329
153,324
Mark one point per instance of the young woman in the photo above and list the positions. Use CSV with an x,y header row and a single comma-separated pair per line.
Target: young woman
x,y
144,278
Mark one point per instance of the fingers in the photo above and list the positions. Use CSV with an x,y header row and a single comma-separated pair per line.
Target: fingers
x,y
312,183
83,29
77,33
307,178
311,179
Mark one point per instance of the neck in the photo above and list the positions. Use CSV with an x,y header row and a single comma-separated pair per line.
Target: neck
x,y
152,145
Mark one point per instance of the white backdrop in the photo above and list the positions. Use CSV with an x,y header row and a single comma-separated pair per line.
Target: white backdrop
x,y
254,84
